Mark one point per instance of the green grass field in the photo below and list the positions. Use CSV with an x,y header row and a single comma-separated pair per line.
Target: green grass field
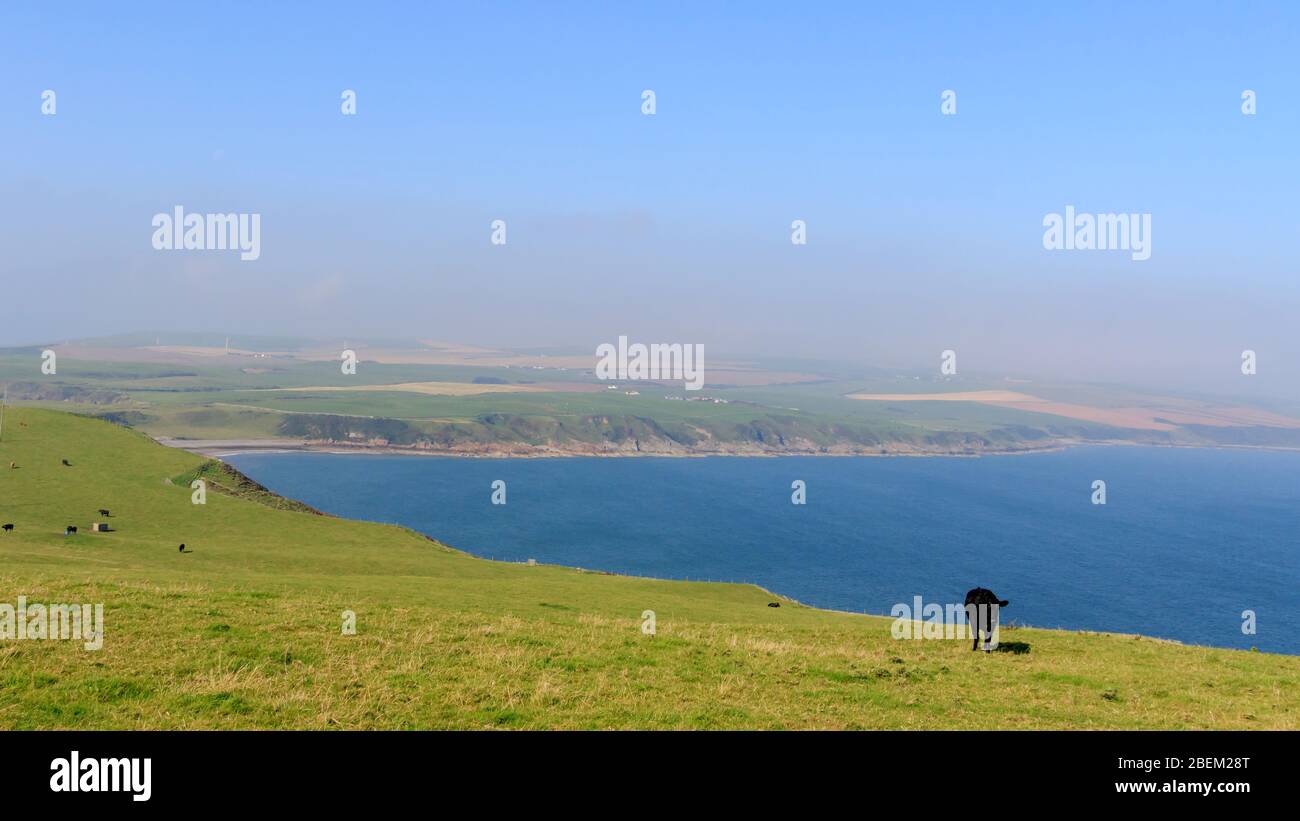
x,y
239,398
244,631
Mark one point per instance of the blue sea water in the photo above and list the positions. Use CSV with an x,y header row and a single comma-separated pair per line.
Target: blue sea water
x,y
1188,538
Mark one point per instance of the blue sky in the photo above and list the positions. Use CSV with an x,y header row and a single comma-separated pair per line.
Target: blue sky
x,y
924,230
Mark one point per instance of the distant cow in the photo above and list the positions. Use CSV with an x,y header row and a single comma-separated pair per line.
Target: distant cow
x,y
103,512
182,547
69,530
981,614
66,463
8,528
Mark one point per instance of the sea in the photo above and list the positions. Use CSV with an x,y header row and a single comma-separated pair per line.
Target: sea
x,y
1200,546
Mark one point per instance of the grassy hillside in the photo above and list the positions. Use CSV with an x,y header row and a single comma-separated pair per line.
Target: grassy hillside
x,y
244,631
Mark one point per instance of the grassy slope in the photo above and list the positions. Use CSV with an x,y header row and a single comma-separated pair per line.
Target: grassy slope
x,y
244,631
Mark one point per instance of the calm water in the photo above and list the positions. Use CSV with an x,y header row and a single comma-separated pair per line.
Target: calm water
x,y
1188,539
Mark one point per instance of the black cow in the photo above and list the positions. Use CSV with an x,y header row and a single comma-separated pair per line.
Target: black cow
x,y
69,530
104,513
8,528
182,547
981,614
66,463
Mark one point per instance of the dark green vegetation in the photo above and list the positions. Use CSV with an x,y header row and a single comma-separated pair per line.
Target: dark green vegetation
x,y
245,629
218,477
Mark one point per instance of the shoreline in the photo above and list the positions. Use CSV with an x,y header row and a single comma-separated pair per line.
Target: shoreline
x,y
221,448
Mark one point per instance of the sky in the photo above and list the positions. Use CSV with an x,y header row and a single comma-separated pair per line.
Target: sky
x,y
924,229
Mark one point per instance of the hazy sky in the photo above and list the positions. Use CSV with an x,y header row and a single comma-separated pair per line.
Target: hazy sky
x,y
924,230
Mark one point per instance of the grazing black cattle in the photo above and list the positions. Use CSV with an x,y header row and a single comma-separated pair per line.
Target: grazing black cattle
x,y
8,528
69,530
66,463
774,604
103,512
981,615
182,547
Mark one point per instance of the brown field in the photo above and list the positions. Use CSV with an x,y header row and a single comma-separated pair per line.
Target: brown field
x,y
426,388
1158,414
993,397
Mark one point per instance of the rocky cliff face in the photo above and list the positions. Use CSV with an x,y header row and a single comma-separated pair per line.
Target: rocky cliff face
x,y
517,435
